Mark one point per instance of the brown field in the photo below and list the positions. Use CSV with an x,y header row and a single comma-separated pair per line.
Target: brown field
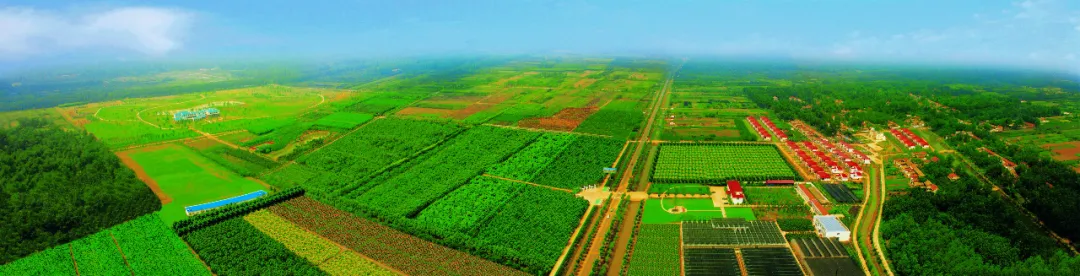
x,y
424,111
201,144
566,120
582,83
1064,151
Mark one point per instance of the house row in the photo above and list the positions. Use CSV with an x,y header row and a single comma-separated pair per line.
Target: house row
x,y
777,131
759,129
909,139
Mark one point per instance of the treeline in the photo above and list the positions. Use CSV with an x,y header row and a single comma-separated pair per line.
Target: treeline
x,y
966,229
57,186
29,97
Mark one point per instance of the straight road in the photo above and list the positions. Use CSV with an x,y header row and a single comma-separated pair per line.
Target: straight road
x,y
605,222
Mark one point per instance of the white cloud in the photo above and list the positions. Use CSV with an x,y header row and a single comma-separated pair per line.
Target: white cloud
x,y
154,31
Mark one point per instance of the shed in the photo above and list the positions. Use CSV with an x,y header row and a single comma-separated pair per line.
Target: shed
x,y
780,182
830,227
735,190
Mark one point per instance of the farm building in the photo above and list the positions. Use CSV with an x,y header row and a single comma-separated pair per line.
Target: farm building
x,y
954,176
735,190
196,114
811,200
831,227
779,182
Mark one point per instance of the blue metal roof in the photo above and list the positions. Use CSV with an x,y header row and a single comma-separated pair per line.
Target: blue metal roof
x,y
831,223
223,202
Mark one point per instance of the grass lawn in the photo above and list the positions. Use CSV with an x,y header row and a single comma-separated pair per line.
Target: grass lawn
x,y
189,178
896,184
741,212
697,209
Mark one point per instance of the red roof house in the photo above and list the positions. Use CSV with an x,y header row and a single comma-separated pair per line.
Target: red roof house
x,y
735,190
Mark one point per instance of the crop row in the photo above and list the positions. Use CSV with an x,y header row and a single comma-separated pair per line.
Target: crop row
x,y
313,248
772,196
150,248
403,252
344,120
527,163
719,162
373,147
582,163
656,251
463,158
234,247
464,208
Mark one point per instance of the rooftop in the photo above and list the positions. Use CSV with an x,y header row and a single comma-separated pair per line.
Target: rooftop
x,y
831,223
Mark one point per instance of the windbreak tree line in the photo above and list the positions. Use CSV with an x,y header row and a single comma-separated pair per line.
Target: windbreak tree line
x,y
57,186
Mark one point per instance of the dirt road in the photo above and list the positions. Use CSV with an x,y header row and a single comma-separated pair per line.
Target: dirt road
x,y
609,215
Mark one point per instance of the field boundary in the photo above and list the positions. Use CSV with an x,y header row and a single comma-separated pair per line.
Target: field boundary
x,y
528,183
122,255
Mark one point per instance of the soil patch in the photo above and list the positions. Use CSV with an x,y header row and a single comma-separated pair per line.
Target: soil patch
x,y
582,83
201,144
1064,151
566,120
141,174
424,110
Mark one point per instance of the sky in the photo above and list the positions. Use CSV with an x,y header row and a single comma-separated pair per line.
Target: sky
x,y
1042,34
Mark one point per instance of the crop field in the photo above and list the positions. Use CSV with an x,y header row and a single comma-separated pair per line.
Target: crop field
x,y
403,252
424,181
711,261
142,246
527,163
327,256
782,212
581,163
715,163
708,113
731,232
382,142
770,261
679,189
467,206
772,196
559,94
656,251
187,177
236,247
344,120
620,119
841,193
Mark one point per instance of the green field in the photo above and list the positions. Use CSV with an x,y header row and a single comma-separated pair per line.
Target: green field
x,y
697,209
189,178
143,246
716,163
740,212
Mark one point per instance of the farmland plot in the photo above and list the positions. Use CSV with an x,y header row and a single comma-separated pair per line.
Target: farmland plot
x,y
315,249
236,247
463,208
533,227
527,163
462,158
149,245
406,253
715,163
656,251
582,163
371,148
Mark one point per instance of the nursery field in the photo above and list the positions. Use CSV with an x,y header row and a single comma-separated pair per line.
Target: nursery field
x,y
143,246
656,251
185,176
716,163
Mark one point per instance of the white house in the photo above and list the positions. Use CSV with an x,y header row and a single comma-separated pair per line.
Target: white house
x,y
829,226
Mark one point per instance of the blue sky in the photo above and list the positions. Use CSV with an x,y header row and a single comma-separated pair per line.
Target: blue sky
x,y
1034,33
